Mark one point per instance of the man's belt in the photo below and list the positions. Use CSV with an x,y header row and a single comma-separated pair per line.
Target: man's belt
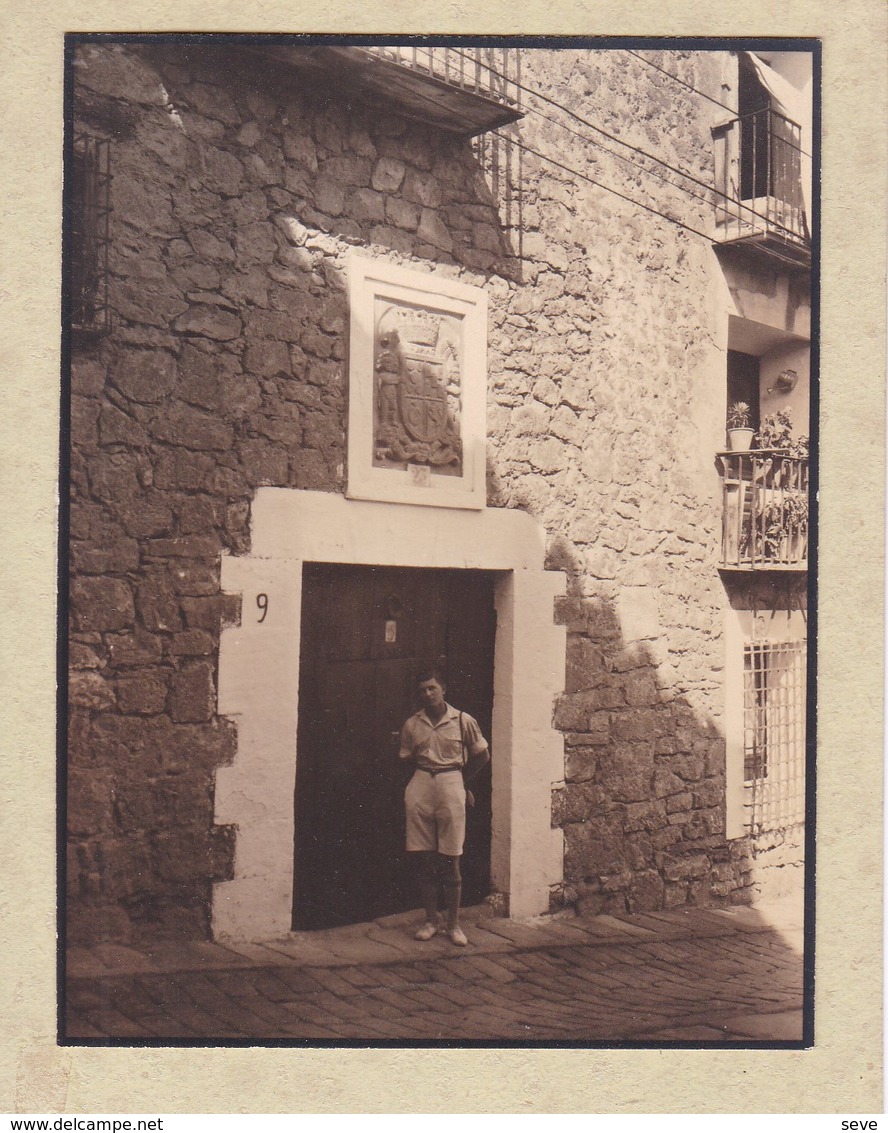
x,y
439,770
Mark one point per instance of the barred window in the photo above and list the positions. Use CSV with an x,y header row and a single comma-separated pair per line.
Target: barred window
x,y
90,182
774,734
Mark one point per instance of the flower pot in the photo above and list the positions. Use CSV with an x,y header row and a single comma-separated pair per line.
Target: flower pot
x,y
740,440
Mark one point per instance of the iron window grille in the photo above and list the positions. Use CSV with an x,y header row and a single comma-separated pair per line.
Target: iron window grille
x,y
90,212
774,734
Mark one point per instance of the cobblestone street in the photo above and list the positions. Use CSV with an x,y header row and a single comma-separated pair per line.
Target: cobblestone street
x,y
688,975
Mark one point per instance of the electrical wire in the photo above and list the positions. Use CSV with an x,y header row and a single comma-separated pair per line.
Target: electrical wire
x,y
702,94
681,82
600,184
746,209
621,157
631,200
619,141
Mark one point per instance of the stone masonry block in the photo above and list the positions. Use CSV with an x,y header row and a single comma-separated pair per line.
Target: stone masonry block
x,y
675,896
432,230
422,189
709,795
83,656
641,724
191,643
204,613
89,690
628,784
388,173
114,554
182,469
403,214
198,747
676,868
580,763
133,747
116,427
199,512
576,802
265,357
158,603
194,577
185,546
87,376
144,375
593,849
191,428
101,604
264,462
144,695
209,322
193,696
648,816
133,649
646,892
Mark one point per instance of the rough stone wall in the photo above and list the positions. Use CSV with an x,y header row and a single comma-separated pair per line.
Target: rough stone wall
x,y
235,200
237,196
607,411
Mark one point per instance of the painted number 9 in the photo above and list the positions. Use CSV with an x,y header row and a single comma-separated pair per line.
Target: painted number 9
x,y
262,603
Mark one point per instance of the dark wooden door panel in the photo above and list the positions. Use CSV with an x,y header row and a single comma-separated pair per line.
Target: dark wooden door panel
x,y
365,631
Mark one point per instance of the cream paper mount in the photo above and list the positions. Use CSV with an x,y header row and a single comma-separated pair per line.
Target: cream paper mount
x,y
417,387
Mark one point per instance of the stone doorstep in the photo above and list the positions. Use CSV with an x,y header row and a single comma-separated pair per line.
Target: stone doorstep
x,y
390,940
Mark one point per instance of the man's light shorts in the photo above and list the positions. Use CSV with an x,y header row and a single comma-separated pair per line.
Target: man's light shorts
x,y
436,812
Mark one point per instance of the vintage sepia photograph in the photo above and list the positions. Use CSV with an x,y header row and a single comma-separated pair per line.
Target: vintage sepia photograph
x,y
438,515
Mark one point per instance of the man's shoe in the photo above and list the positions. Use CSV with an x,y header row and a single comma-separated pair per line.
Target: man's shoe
x,y
427,931
457,936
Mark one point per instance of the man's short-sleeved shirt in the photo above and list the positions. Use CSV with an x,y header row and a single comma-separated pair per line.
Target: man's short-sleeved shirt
x,y
435,745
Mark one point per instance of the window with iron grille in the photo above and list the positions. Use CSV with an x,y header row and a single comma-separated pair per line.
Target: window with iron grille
x,y
774,734
90,210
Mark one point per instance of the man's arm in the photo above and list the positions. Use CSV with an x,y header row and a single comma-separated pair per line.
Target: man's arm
x,y
405,743
477,754
475,762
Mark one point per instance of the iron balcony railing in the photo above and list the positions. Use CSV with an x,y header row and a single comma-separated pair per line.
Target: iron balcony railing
x,y
765,510
492,72
758,179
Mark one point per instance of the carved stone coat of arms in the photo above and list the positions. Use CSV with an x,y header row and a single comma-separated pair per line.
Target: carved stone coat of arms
x,y
417,368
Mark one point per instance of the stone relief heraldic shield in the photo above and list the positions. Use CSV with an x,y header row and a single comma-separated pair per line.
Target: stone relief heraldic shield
x,y
417,363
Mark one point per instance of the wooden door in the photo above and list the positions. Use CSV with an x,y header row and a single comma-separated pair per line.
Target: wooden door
x,y
365,632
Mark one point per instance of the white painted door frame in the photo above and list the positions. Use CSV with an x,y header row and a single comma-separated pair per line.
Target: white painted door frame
x,y
259,686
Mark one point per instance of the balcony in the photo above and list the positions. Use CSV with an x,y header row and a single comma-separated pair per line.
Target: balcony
x,y
758,180
464,90
765,511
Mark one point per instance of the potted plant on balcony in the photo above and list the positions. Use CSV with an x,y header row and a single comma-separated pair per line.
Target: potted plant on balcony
x,y
776,435
783,528
740,431
779,519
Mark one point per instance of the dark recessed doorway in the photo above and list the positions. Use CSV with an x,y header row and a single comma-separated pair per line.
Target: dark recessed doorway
x,y
365,631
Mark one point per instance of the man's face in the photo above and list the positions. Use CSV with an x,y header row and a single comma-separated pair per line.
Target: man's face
x,y
431,694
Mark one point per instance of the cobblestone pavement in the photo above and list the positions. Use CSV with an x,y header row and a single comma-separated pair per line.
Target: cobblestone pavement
x,y
688,975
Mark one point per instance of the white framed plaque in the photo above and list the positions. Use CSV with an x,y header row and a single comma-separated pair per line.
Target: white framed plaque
x,y
417,387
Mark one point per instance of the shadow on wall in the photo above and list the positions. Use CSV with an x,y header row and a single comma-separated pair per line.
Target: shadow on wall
x,y
643,801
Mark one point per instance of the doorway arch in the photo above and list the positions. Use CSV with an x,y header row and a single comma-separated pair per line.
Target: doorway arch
x,y
259,686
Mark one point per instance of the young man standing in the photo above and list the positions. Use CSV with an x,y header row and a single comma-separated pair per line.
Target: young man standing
x,y
448,750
